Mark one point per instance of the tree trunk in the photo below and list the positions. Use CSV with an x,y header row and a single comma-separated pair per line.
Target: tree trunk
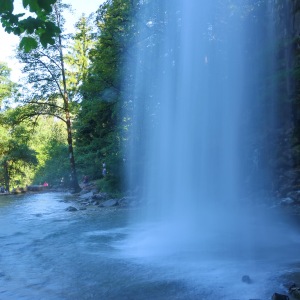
x,y
74,179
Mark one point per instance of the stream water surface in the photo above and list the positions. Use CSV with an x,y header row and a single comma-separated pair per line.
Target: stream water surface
x,y
49,253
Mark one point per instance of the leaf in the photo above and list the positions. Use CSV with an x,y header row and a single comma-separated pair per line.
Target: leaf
x,y
46,38
46,5
28,44
26,3
6,6
33,6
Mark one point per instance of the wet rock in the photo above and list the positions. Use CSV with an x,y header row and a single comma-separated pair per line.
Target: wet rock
x,y
294,291
277,296
94,191
100,196
246,279
71,208
110,203
82,208
87,195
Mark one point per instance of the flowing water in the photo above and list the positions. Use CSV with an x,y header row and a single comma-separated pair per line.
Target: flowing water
x,y
196,163
203,110
49,253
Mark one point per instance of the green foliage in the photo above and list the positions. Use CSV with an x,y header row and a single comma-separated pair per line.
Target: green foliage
x,y
28,43
48,140
77,58
99,131
16,156
6,85
48,84
40,25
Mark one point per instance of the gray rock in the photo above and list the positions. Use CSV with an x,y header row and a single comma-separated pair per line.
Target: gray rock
x,y
83,191
110,203
87,196
71,208
100,196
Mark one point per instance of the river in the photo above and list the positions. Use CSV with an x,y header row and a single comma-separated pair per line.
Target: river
x,y
50,253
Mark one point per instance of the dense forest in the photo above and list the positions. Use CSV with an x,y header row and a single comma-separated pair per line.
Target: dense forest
x,y
64,120
69,116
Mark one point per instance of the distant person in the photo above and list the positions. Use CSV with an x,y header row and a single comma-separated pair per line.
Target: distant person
x,y
104,169
45,184
85,179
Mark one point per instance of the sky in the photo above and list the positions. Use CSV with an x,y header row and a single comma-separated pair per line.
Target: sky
x,y
9,41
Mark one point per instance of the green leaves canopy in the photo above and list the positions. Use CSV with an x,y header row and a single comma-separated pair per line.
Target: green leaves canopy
x,y
6,85
40,25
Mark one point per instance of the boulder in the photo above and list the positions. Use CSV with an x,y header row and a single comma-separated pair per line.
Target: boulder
x,y
100,196
86,195
110,203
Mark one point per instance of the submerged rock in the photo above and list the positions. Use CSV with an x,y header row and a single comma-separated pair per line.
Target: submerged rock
x,y
71,208
110,203
246,279
287,201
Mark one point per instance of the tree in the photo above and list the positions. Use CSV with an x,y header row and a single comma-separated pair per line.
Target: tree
x,y
40,25
15,153
48,140
47,78
77,58
6,85
99,122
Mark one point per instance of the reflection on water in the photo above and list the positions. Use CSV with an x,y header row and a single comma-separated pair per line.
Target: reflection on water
x,y
49,253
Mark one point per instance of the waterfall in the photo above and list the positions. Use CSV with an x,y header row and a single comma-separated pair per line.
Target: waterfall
x,y
201,115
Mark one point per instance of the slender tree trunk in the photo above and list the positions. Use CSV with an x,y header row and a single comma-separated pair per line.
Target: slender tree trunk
x,y
74,179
